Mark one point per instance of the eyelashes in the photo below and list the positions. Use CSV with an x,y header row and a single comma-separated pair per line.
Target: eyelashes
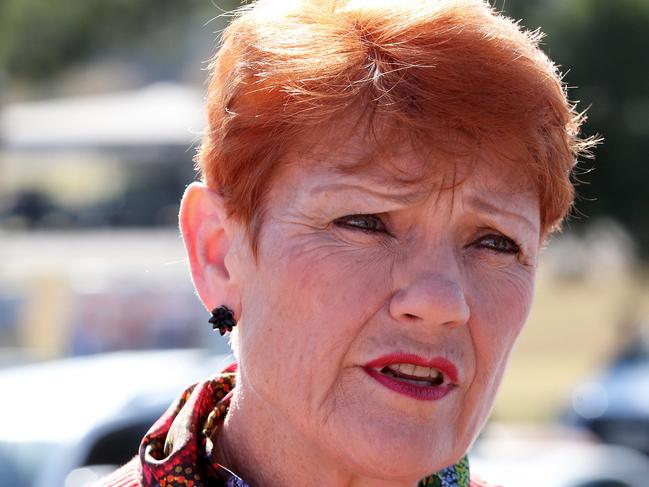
x,y
498,243
374,225
368,223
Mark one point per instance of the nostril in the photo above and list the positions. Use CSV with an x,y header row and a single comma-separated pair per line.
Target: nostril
x,y
411,316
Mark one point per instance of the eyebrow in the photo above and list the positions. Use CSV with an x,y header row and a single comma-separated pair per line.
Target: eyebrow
x,y
483,206
474,202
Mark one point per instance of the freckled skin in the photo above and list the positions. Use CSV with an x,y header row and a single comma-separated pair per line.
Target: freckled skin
x,y
323,299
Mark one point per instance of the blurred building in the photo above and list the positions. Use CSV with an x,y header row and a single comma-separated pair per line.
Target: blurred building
x,y
90,255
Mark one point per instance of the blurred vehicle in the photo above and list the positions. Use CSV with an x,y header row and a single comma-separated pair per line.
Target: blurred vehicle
x,y
614,404
115,159
90,188
555,456
69,422
65,423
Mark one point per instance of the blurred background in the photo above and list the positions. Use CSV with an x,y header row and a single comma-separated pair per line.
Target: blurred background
x,y
101,109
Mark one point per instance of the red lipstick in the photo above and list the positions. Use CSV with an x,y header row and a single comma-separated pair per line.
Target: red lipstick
x,y
379,369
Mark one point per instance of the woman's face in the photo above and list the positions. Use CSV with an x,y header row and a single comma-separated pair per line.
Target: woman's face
x,y
358,280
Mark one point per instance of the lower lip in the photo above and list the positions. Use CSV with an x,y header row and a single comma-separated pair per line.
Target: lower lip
x,y
421,393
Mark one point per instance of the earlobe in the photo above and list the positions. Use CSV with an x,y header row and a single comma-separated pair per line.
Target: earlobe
x,y
203,227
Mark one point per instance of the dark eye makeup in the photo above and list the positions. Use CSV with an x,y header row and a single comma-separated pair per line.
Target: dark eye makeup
x,y
498,243
373,224
368,223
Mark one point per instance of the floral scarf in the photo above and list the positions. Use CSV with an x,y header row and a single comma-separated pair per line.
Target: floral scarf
x,y
177,449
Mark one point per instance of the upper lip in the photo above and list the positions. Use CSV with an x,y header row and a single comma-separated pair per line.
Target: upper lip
x,y
442,364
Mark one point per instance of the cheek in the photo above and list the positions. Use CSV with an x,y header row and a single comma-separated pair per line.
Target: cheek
x,y
500,303
325,277
305,304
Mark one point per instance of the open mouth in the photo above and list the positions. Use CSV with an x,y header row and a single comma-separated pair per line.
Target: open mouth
x,y
414,374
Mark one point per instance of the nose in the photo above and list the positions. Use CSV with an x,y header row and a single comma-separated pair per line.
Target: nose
x,y
431,296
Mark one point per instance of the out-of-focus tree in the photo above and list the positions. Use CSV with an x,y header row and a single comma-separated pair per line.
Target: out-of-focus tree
x,y
39,38
605,44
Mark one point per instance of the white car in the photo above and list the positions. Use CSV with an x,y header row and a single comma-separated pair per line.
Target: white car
x,y
61,421
68,422
555,456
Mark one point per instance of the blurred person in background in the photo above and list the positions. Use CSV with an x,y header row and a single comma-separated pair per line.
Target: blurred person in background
x,y
378,178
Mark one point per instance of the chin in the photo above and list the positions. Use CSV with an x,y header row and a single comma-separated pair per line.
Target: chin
x,y
392,463
400,452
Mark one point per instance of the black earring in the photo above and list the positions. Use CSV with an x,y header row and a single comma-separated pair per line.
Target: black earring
x,y
223,319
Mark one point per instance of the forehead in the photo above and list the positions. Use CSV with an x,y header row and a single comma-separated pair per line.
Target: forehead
x,y
408,165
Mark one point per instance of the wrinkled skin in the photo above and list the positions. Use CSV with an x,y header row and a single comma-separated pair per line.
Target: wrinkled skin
x,y
429,271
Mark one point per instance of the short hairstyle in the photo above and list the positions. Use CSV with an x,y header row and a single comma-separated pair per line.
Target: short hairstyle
x,y
424,68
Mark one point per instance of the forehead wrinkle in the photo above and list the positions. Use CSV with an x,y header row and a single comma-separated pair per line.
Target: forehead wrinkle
x,y
409,198
484,206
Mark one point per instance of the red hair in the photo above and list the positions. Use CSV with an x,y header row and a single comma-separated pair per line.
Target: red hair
x,y
426,69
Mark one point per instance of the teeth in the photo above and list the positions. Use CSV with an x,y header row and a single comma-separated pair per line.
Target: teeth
x,y
407,369
417,371
423,372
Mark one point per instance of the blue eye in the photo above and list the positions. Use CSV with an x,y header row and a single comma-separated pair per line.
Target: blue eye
x,y
499,243
365,223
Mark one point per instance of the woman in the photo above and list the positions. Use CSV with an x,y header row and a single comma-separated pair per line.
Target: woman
x,y
378,178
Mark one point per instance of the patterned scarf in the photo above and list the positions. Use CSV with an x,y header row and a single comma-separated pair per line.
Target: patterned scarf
x,y
177,449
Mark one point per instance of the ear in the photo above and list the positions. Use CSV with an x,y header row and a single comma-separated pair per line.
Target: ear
x,y
205,229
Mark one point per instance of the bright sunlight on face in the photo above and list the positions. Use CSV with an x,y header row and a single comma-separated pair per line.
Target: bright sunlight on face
x,y
387,311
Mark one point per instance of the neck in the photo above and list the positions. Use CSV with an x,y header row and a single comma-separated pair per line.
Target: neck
x,y
257,444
